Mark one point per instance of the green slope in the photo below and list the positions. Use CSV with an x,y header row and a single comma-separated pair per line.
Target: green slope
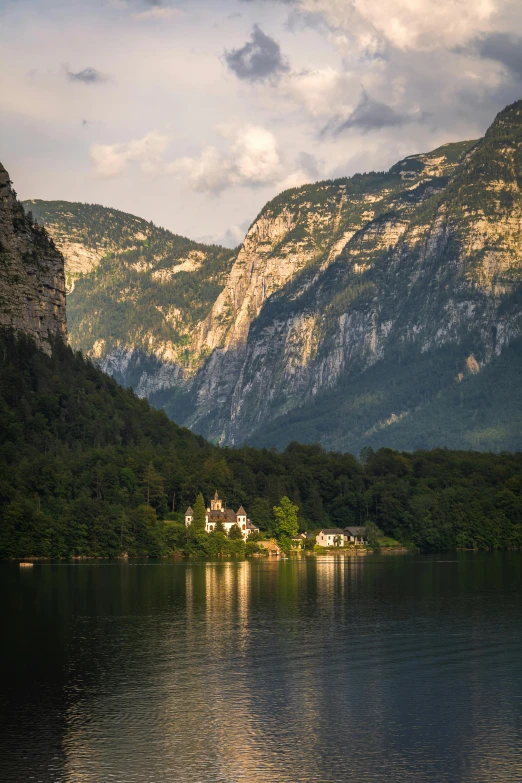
x,y
132,285
414,401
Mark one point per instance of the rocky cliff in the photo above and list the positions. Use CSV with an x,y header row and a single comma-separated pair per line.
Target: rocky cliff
x,y
374,309
32,282
410,282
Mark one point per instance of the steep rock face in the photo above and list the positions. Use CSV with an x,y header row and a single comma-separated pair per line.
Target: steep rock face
x,y
448,274
374,309
162,313
32,281
296,240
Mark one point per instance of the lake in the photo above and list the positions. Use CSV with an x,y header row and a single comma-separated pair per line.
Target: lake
x,y
379,668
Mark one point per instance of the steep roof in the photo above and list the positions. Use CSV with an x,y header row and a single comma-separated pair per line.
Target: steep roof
x,y
269,545
227,515
331,531
188,511
355,531
242,512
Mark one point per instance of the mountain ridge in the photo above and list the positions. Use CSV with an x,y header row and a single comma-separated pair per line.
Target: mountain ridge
x,y
332,279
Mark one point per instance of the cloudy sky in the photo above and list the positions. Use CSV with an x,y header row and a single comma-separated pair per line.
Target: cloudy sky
x,y
193,113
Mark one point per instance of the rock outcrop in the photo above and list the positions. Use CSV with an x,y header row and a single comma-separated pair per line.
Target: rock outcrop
x,y
32,280
355,310
448,272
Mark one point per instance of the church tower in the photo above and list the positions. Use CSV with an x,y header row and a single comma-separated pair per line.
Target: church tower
x,y
216,504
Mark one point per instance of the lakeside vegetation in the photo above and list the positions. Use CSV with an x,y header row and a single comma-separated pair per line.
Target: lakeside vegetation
x,y
88,469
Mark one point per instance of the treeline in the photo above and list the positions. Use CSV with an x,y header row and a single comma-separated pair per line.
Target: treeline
x,y
87,468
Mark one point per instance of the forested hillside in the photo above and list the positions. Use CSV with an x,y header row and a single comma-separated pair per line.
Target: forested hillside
x,y
87,468
127,277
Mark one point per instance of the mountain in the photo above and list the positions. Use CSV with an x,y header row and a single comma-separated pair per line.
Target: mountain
x,y
419,302
89,469
32,284
126,277
381,309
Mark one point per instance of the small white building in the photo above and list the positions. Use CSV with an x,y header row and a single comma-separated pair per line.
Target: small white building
x,y
226,516
332,536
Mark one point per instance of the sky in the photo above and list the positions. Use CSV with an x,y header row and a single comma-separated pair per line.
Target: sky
x,y
194,113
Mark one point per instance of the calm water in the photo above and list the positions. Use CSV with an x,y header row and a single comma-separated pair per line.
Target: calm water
x,y
398,668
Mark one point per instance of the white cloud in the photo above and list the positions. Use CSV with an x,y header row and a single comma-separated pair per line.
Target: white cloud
x,y
111,160
322,92
450,62
252,160
406,24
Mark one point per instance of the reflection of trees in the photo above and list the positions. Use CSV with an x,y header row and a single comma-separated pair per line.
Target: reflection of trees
x,y
263,670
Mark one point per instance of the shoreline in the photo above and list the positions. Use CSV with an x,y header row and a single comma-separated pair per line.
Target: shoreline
x,y
179,557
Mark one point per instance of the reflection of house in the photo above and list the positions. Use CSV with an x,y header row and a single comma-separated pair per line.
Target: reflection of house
x,y
226,516
332,536
355,535
271,547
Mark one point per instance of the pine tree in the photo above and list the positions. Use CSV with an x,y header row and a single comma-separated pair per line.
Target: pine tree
x,y
199,513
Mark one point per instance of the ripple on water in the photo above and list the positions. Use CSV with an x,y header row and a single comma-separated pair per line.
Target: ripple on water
x,y
305,671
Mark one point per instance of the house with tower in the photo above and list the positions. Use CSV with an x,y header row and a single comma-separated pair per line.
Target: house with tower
x,y
228,518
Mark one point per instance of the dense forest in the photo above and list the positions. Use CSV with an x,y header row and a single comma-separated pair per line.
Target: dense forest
x,y
87,468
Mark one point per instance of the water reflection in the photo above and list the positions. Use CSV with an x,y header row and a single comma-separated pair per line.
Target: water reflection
x,y
318,669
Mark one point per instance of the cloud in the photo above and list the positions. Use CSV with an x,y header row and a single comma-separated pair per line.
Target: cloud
x,y
406,25
258,60
308,164
320,90
307,168
156,12
253,160
370,115
87,76
111,160
232,237
504,48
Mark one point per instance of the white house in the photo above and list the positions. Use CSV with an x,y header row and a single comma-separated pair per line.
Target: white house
x,y
332,536
217,513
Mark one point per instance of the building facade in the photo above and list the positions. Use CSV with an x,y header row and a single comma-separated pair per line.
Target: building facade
x,y
332,536
337,537
217,514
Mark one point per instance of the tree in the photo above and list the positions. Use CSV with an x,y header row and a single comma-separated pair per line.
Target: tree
x,y
235,533
260,513
153,487
219,527
200,513
285,514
